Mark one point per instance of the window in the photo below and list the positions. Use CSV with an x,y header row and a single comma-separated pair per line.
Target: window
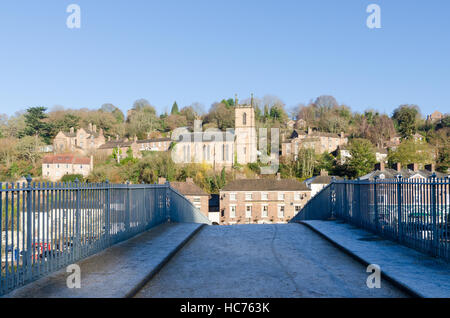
x,y
197,202
297,196
281,196
232,196
232,211
281,211
265,211
48,166
264,196
298,208
244,119
248,196
81,167
248,211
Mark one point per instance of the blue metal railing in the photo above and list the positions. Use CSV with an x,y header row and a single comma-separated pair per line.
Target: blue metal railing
x,y
414,212
46,226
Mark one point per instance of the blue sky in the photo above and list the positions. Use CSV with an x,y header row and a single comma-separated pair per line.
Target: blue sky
x,y
206,50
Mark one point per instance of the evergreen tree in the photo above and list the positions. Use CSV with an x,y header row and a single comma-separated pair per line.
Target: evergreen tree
x,y
175,110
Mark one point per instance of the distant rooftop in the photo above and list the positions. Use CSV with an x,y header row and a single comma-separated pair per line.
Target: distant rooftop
x,y
265,185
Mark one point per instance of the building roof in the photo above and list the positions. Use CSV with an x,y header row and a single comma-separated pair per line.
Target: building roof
x,y
265,185
153,140
205,136
116,143
323,179
297,133
188,188
389,173
66,159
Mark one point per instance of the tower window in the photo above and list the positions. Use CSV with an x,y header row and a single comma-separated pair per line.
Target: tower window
x,y
244,119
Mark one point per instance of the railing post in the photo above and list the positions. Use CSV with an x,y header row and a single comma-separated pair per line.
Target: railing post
x,y
77,241
128,209
29,253
375,204
435,241
333,197
358,200
399,208
345,211
166,201
107,214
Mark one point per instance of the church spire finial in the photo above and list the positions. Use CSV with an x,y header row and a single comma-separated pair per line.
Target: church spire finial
x,y
235,100
251,100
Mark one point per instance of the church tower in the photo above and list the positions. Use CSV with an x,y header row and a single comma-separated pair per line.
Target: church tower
x,y
245,131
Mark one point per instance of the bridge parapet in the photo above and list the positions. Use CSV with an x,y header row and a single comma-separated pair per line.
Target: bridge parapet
x,y
46,226
414,212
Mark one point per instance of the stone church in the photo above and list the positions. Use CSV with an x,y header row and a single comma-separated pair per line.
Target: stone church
x,y
217,148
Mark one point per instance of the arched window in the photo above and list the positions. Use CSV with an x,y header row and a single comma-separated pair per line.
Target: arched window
x,y
244,119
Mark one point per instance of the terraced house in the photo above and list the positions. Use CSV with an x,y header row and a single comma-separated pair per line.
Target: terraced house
x,y
262,200
54,167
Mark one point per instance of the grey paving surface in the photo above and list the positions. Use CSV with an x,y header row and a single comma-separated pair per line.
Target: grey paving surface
x,y
425,275
117,270
264,261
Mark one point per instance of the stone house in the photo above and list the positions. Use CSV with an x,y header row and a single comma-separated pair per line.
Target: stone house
x,y
319,141
83,141
54,167
262,200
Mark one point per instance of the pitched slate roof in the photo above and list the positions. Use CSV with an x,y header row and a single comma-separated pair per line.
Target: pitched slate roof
x,y
116,143
66,159
265,185
153,140
389,173
188,188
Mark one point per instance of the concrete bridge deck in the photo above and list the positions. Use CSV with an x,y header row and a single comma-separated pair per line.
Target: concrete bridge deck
x,y
247,261
264,261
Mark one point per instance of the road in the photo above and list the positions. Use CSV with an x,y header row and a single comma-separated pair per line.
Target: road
x,y
262,261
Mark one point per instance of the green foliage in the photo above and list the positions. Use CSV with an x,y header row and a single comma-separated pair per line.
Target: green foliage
x,y
410,151
406,119
72,178
35,124
363,157
175,110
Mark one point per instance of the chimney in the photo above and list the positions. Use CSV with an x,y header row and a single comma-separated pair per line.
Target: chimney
x,y
162,180
90,126
323,172
278,176
109,138
309,131
342,134
148,135
94,128
430,167
101,131
414,167
135,138
72,130
379,166
397,166
189,180
117,137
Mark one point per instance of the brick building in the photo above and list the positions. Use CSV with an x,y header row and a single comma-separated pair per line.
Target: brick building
x,y
198,197
54,167
262,200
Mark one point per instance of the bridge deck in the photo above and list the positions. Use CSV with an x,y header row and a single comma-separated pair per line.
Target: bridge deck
x,y
262,261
